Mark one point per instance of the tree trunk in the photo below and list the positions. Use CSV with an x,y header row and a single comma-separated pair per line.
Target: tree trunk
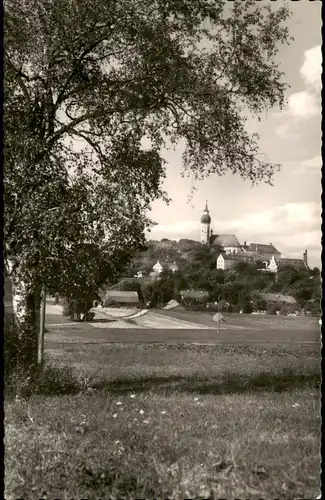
x,y
25,306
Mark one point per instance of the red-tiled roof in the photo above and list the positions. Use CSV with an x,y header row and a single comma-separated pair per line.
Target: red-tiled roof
x,y
262,248
237,258
254,255
224,240
122,296
243,257
278,297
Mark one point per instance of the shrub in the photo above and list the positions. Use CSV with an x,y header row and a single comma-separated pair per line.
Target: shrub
x,y
75,309
24,380
46,379
53,379
287,309
11,346
272,309
247,308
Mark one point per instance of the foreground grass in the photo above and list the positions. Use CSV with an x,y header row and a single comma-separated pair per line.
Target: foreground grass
x,y
170,422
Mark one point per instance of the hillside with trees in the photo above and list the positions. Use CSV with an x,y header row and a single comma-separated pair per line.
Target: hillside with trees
x,y
238,288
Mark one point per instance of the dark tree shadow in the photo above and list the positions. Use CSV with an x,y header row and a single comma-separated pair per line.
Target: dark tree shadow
x,y
233,384
57,381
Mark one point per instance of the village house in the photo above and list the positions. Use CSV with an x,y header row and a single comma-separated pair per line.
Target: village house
x,y
158,268
195,296
276,264
227,261
280,300
121,298
296,263
265,251
272,267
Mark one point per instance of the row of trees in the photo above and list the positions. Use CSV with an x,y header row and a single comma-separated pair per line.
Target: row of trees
x,y
197,270
240,286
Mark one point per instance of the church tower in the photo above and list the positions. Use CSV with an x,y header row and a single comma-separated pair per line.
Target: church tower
x,y
205,225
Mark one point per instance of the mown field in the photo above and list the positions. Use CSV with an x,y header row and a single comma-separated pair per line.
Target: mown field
x,y
238,329
169,421
250,322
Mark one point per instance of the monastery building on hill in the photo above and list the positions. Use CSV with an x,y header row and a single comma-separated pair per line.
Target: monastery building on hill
x,y
232,251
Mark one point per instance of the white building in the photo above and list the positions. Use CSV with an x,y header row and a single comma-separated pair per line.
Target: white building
x,y
158,268
272,266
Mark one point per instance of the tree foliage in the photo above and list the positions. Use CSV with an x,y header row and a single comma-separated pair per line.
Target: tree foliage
x,y
94,91
113,73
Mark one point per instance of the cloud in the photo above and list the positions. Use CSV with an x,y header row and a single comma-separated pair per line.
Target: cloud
x,y
177,230
282,220
305,104
312,67
285,132
310,166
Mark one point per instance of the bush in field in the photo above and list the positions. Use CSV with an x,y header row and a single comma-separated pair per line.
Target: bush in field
x,y
272,309
75,309
258,303
16,354
287,309
48,380
23,380
247,308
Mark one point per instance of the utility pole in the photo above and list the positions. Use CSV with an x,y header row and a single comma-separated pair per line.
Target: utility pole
x,y
40,344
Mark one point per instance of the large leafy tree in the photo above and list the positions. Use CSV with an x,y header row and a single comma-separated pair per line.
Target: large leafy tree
x,y
95,89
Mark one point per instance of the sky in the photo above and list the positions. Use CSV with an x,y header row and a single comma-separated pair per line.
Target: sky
x,y
287,214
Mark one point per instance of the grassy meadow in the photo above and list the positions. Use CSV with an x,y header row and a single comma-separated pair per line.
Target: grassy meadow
x,y
167,421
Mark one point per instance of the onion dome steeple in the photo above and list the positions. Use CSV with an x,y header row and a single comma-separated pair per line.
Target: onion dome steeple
x,y
206,219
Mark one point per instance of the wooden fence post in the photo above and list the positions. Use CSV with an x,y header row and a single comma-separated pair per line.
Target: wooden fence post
x,y
40,343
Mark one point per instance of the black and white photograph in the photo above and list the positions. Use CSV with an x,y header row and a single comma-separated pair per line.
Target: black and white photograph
x,y
162,244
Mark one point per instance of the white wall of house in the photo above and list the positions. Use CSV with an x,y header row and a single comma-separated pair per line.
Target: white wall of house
x,y
231,250
220,262
158,267
205,232
224,264
272,267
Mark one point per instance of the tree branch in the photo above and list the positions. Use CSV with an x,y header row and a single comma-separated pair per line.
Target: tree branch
x,y
19,79
95,146
76,65
68,128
